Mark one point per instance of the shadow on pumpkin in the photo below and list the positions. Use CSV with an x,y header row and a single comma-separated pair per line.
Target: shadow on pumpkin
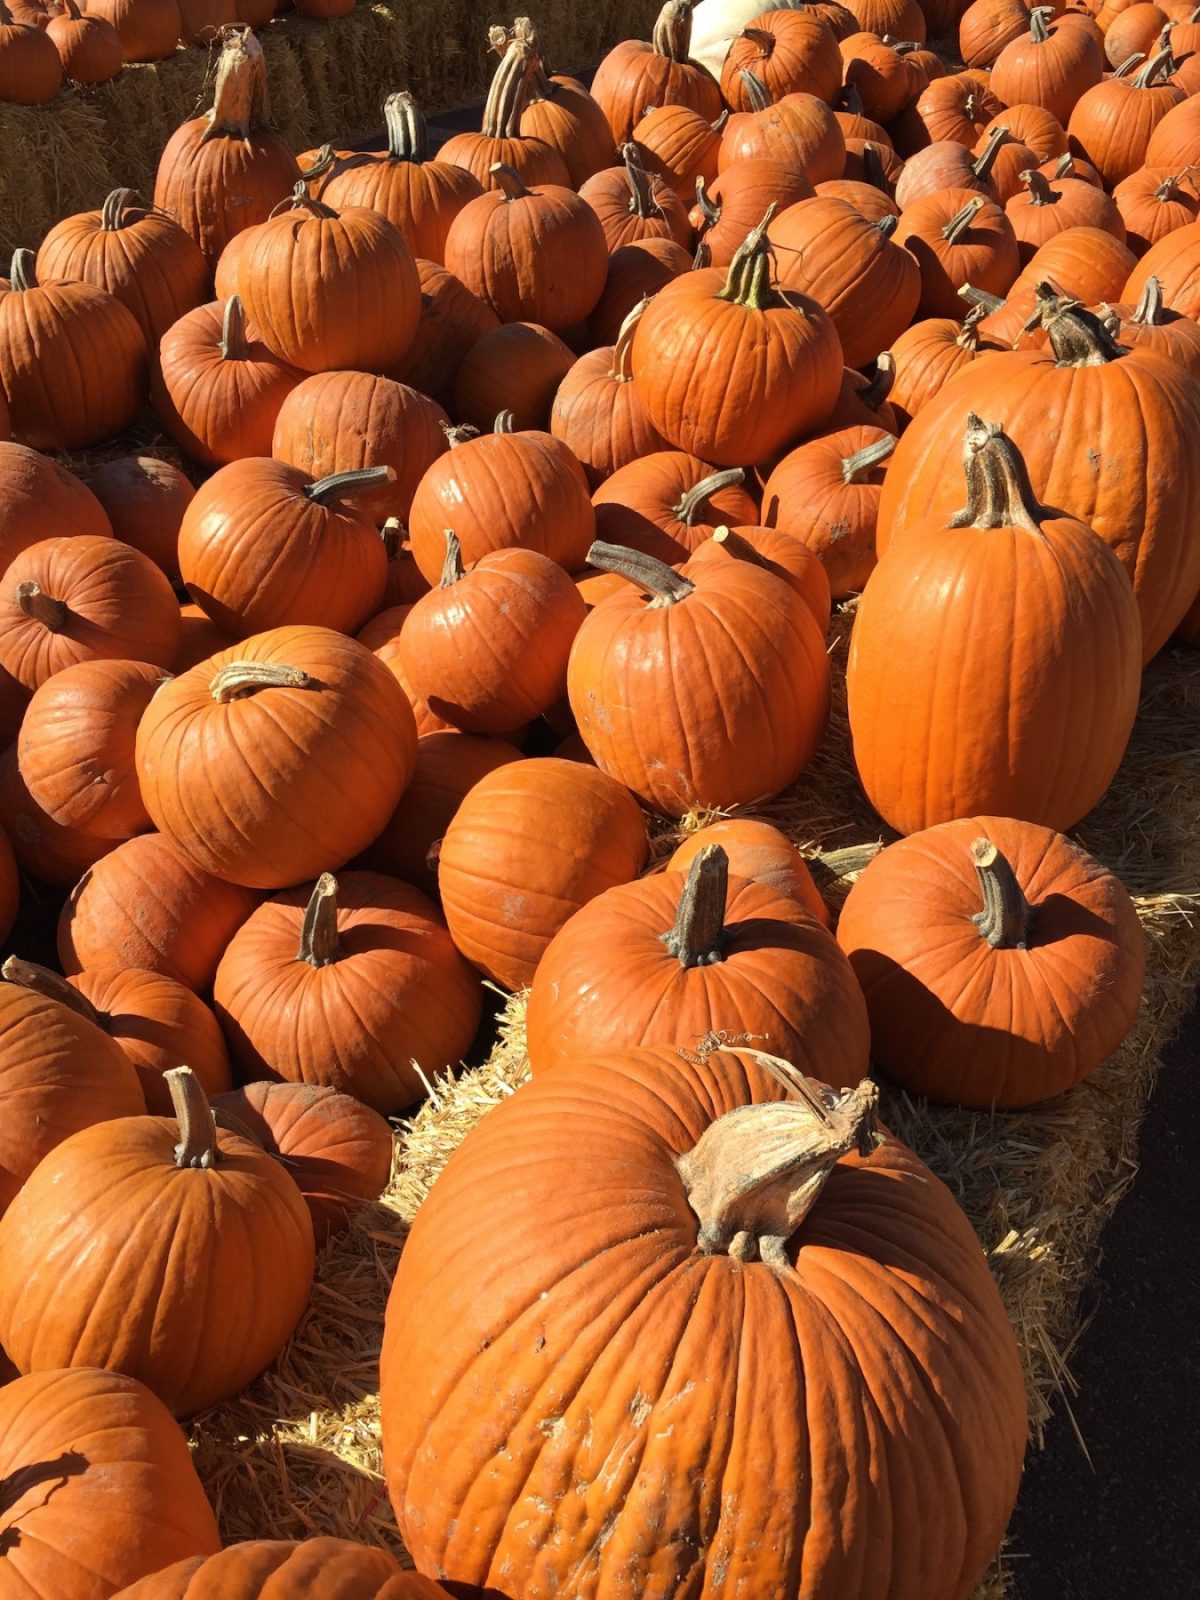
x,y
53,1475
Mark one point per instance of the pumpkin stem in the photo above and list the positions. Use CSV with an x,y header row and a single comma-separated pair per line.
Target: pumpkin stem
x,y
40,980
505,422
322,162
301,200
112,212
452,566
982,166
757,1172
509,90
621,370
508,181
874,393
707,207
757,92
763,39
21,273
393,533
886,225
703,256
197,1145
1170,186
699,931
672,36
1149,312
243,678
240,96
863,462
1077,336
1040,192
407,132
1129,63
234,345
541,87
690,502
736,545
1007,917
968,339
980,299
641,194
1160,66
339,484
1065,167
749,280
962,220
462,434
665,586
319,943
43,608
999,494
874,171
1038,18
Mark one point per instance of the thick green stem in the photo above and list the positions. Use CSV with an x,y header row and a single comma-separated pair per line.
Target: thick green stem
x,y
749,281
112,212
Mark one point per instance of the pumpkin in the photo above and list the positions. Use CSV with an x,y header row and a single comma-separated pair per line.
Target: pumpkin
x,y
826,495
678,145
667,503
1150,326
561,112
500,140
88,47
958,238
759,852
862,401
80,599
263,1568
448,766
866,197
633,204
201,638
322,722
1033,126
928,355
514,370
382,637
1046,209
500,489
1175,262
418,194
902,19
1085,262
487,649
933,744
42,848
75,748
145,905
950,165
72,360
869,286
799,131
40,498
956,107
58,1074
99,1486
643,669
116,1208
202,21
880,75
789,51
1133,31
145,499
636,75
1153,202
635,272
338,1151
775,552
1000,962
1176,138
1053,66
1140,408
226,171
987,26
1112,124
687,1226
215,390
307,276
148,29
452,322
31,70
776,350
530,844
731,209
597,413
351,983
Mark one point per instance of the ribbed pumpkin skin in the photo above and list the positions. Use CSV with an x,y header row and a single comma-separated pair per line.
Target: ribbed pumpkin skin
x,y
799,130
1054,73
341,421
31,70
1084,262
608,982
58,1074
808,497
957,1020
786,558
633,76
599,417
1136,484
636,506
145,499
316,1569
421,198
329,760
1150,216
131,1505
47,852
641,682
608,193
399,993
798,55
453,320
529,845
678,145
40,499
338,1151
152,1250
634,271
1174,336
927,356
760,852
159,1024
1112,124
1175,262
622,1358
146,905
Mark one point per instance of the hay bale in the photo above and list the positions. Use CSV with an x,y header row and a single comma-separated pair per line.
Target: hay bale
x,y
300,1451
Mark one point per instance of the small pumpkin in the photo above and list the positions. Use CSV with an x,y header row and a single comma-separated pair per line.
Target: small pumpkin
x,y
732,206
880,75
667,503
759,852
39,499
636,74
826,495
88,46
775,552
264,1569
513,371
956,107
961,238
563,114
679,145
987,26
41,848
452,322
928,355
951,165
597,413
1047,208
1153,202
1113,123
633,204
145,498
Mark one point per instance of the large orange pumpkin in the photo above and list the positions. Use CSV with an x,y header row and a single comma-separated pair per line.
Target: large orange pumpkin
x,y
1053,66
267,1569
279,758
636,75
984,695
799,130
1150,326
1000,962
512,372
678,1247
1175,262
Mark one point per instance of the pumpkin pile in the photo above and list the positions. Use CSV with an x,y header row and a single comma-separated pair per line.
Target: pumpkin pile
x,y
513,484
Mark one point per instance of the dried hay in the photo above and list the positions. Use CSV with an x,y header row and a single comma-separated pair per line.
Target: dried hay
x,y
300,1451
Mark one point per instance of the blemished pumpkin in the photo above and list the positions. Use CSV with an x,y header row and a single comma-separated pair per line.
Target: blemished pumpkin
x,y
637,74
144,498
760,852
143,258
264,1569
58,1074
631,203
1141,409
825,494
501,138
775,552
352,983
216,390
513,372
100,1489
115,1208
42,848
76,746
789,51
487,648
280,758
453,320
263,547
145,905
528,845
226,171
668,503
40,498
777,350
800,131
697,1244
645,664
933,744
1000,962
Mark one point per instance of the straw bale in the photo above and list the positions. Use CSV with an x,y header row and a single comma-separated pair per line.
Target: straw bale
x,y
300,1451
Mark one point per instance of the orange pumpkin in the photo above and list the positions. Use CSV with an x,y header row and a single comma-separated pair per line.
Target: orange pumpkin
x,y
928,355
958,238
39,499
597,413
261,1567
1047,209
145,499
882,77
799,131
631,204
31,71
1112,124
668,503
1153,202
201,638
41,848
759,852
560,111
148,29
88,47
452,322
826,494
635,75
501,139
775,552
956,107
511,372
679,145
635,271
733,204
1053,66
790,52
1150,326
